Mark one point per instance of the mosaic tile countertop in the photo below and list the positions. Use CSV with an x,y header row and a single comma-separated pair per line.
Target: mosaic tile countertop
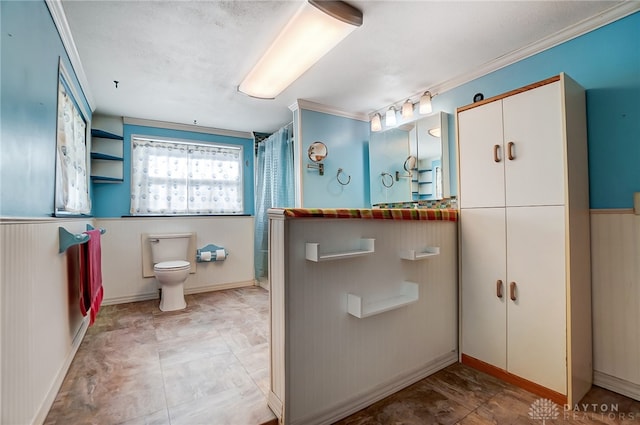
x,y
441,214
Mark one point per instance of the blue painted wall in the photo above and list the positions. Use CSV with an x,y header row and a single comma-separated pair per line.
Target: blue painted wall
x,y
30,47
347,144
113,200
606,62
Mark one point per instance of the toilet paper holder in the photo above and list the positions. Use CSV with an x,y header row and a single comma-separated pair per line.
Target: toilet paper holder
x,y
211,253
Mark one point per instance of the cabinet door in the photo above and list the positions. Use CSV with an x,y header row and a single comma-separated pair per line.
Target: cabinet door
x,y
481,177
536,320
533,126
483,263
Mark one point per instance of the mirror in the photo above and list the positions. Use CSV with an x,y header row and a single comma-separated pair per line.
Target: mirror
x,y
410,162
317,151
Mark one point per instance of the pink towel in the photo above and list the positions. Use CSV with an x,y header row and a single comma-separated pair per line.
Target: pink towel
x,y
91,291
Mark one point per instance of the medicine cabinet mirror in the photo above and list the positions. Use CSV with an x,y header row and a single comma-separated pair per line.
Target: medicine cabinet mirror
x,y
410,162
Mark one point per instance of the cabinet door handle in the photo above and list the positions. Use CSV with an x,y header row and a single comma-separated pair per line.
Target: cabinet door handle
x,y
496,153
512,291
499,288
510,154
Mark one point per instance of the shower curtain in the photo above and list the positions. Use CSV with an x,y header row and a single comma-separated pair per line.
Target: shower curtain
x,y
274,188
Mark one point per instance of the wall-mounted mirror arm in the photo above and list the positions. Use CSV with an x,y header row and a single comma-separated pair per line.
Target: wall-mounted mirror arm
x,y
340,181
319,167
317,152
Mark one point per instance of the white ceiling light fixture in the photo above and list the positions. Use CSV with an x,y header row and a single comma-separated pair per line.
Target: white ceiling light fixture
x,y
316,28
390,118
425,103
376,123
407,109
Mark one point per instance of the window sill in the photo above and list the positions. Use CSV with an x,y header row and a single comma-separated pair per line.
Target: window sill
x,y
183,215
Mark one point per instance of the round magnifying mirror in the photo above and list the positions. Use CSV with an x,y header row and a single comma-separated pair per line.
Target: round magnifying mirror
x,y
410,163
317,151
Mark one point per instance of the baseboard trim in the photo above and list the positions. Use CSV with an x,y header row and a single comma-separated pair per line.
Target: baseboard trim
x,y
43,411
503,375
618,385
341,410
275,404
155,295
219,287
131,298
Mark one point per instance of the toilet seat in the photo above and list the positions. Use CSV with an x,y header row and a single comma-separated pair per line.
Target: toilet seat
x,y
172,265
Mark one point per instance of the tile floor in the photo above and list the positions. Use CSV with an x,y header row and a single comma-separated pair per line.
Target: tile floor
x,y
459,395
208,365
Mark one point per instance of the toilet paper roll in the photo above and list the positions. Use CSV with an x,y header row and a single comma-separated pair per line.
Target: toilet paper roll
x,y
221,254
205,256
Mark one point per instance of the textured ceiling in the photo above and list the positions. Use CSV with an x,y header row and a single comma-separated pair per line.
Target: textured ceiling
x,y
181,61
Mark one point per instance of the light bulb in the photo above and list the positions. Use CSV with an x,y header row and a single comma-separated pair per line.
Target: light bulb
x,y
390,118
376,123
407,109
425,103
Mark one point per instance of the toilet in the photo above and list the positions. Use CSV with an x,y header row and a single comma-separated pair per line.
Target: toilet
x,y
169,253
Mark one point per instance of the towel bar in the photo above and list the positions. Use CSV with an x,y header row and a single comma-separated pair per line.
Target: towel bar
x,y
68,239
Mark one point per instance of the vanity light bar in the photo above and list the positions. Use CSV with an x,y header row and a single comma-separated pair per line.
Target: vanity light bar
x,y
424,107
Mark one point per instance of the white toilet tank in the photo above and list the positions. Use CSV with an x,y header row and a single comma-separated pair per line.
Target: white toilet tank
x,y
169,247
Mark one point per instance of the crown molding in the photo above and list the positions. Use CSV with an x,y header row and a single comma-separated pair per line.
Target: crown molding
x,y
608,16
187,127
62,25
318,107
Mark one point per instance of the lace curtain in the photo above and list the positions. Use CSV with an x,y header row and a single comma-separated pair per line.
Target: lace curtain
x,y
72,189
274,188
170,178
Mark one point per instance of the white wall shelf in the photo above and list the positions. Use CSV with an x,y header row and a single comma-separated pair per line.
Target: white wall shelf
x,y
413,255
312,251
362,307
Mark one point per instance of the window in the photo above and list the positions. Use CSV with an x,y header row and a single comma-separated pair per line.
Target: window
x,y
176,178
71,185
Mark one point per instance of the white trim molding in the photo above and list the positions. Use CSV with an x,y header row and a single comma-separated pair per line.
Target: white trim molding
x,y
187,127
62,25
614,13
618,385
318,107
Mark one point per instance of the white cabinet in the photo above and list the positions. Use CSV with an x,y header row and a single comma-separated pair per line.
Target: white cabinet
x,y
524,233
512,152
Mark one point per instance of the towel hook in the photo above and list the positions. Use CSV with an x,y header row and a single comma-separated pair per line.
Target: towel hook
x,y
338,177
384,174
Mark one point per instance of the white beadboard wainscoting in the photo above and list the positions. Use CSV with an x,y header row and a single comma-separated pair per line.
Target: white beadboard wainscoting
x,y
122,274
326,361
615,251
40,322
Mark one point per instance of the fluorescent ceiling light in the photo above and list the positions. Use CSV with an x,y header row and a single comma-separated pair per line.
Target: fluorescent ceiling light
x,y
315,29
435,132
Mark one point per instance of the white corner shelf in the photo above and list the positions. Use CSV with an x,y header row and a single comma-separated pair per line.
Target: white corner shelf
x,y
362,307
312,251
413,255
